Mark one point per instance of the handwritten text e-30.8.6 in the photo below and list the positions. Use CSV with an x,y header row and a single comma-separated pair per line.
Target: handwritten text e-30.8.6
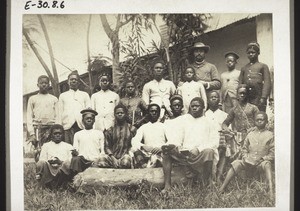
x,y
44,4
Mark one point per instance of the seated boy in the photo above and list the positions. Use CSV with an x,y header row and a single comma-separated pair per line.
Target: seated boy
x,y
258,153
118,140
146,145
49,168
88,144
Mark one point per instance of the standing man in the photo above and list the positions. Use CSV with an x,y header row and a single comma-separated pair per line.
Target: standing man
x,y
41,109
206,73
70,104
230,82
256,76
159,90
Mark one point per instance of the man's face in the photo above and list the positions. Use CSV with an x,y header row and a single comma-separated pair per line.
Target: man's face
x,y
199,54
252,54
196,109
260,121
43,85
213,99
57,135
130,89
73,82
158,70
176,106
154,113
88,120
120,114
242,94
104,82
230,62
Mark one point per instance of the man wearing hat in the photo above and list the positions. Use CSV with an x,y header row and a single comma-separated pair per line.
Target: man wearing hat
x,y
70,103
230,82
206,73
257,76
88,144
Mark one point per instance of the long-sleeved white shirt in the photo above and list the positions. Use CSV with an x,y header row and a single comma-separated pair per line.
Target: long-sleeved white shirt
x,y
197,133
153,134
89,143
158,92
190,90
104,103
70,104
62,151
174,131
41,108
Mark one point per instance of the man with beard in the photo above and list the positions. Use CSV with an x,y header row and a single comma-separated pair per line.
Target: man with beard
x,y
49,168
206,73
146,145
70,104
196,151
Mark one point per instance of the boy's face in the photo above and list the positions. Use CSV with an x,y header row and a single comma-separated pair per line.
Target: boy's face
x,y
176,107
260,121
104,82
43,85
88,120
120,114
73,82
130,89
242,94
154,113
196,109
189,74
213,99
252,54
230,62
57,135
199,54
158,70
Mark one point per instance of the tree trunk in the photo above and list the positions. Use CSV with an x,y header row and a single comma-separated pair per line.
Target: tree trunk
x,y
89,55
93,178
36,52
55,86
113,35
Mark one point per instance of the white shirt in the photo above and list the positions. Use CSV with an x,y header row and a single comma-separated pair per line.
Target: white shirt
x,y
89,143
158,92
70,104
153,135
41,108
216,119
197,133
104,103
174,131
62,151
190,90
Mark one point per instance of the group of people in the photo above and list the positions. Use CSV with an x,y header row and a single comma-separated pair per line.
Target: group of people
x,y
202,124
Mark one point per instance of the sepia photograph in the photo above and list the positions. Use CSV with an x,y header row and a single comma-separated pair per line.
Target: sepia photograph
x,y
149,110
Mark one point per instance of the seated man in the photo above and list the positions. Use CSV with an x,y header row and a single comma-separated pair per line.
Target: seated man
x,y
258,153
196,151
88,144
49,169
118,140
146,145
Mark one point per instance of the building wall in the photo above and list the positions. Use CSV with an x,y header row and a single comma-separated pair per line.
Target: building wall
x,y
231,38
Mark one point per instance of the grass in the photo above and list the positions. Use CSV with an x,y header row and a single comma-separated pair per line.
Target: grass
x,y
242,192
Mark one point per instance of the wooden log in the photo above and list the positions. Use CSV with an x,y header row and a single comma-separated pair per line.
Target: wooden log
x,y
93,178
